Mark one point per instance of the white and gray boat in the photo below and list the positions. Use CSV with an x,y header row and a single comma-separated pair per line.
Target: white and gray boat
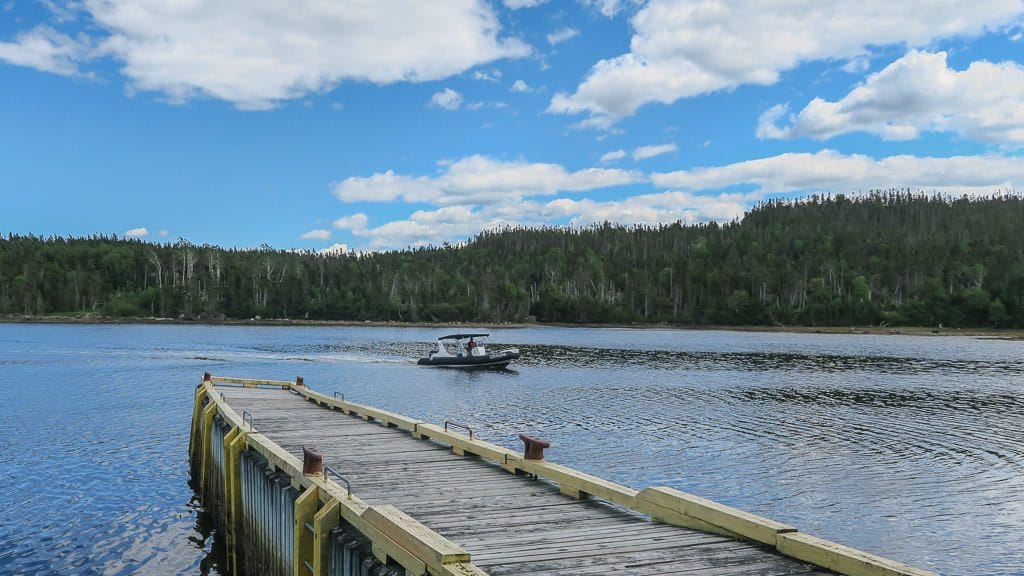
x,y
467,351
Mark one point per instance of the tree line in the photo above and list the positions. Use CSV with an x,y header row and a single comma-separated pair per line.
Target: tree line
x,y
895,257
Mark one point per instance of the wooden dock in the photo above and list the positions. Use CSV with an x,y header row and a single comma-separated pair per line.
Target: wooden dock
x,y
437,500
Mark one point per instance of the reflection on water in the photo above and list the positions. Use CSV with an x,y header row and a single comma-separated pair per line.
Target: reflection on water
x,y
904,446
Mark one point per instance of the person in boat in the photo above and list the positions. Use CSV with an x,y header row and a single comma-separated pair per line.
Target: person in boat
x,y
469,347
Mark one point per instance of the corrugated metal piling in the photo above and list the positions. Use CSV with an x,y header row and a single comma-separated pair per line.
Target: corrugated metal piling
x,y
394,495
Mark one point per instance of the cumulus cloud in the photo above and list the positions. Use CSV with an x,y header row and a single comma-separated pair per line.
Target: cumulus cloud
x,y
608,8
562,35
45,49
644,152
136,233
918,92
681,49
651,209
317,235
830,171
260,53
354,222
480,180
448,99
426,227
335,250
719,193
613,156
520,86
455,223
492,75
517,4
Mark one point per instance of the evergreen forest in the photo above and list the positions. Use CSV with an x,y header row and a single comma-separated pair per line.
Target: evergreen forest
x,y
888,258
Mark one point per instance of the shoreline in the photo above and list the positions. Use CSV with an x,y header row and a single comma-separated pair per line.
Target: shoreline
x,y
1004,334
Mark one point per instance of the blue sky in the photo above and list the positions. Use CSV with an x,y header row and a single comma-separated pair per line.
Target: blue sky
x,y
384,124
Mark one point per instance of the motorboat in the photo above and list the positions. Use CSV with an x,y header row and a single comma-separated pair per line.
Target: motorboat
x,y
467,351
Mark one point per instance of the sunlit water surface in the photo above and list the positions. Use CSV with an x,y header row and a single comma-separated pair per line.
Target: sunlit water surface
x,y
908,447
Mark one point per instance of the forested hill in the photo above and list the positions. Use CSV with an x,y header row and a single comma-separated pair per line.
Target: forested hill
x,y
897,258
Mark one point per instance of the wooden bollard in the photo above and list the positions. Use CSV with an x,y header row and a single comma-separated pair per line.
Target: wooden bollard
x,y
299,382
312,461
533,448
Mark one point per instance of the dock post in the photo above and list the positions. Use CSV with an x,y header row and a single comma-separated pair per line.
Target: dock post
x,y
194,441
206,446
232,496
326,519
305,512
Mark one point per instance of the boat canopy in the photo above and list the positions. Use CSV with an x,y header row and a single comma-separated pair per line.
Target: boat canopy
x,y
463,336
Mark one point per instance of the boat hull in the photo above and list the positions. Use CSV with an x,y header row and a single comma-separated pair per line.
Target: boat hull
x,y
489,361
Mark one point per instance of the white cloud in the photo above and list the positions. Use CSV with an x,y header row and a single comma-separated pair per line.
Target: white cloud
x,y
335,250
918,92
517,4
562,34
317,235
259,53
720,193
767,124
644,152
425,227
492,75
613,156
448,99
163,233
608,8
682,48
62,13
355,222
520,86
832,172
651,209
136,233
45,49
480,180
456,223
857,65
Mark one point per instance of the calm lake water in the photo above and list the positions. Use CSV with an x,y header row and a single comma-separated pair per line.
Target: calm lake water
x,y
908,447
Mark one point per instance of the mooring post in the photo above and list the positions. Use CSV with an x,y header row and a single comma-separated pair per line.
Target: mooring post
x,y
533,447
299,381
312,461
